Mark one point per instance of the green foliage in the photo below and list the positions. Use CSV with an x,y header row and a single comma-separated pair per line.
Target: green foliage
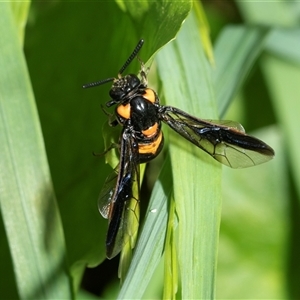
x,y
197,205
35,266
68,44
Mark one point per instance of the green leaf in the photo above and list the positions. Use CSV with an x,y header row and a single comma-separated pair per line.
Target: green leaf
x,y
170,261
31,220
269,13
255,228
150,244
187,84
20,12
204,31
285,43
236,50
158,20
283,80
258,243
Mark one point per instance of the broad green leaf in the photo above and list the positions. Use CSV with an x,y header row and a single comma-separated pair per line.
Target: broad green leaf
x,y
187,84
28,206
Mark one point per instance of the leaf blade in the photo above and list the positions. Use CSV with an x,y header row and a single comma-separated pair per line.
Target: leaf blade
x,y
185,73
28,206
236,50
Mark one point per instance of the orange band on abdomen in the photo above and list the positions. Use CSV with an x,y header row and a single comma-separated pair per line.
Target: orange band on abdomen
x,y
151,147
151,131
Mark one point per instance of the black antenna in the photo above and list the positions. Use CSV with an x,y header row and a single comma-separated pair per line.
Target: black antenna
x,y
132,56
92,84
128,61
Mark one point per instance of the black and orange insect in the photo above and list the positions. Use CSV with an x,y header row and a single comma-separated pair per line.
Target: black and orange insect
x,y
139,112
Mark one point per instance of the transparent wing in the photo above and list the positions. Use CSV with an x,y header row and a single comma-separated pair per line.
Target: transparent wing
x,y
119,198
225,141
106,194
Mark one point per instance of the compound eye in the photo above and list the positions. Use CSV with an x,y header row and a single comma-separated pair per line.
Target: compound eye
x,y
116,93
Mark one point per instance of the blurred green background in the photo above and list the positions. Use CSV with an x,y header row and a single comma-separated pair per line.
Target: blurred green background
x,y
67,44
